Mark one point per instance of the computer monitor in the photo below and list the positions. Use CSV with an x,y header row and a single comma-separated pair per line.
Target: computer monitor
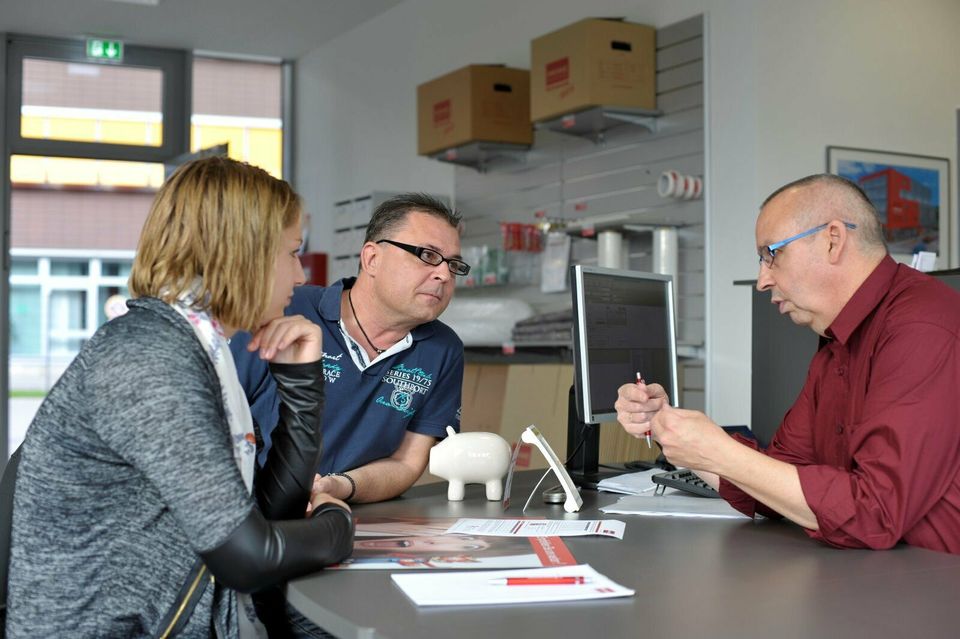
x,y
624,322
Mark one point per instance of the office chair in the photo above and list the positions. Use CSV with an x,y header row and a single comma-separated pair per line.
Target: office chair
x,y
6,525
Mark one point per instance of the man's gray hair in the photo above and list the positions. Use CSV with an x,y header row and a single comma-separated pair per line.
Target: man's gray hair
x,y
392,214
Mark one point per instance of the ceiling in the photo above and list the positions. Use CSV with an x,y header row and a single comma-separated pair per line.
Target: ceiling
x,y
271,28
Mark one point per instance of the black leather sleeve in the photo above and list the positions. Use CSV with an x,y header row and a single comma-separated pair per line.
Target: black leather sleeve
x,y
261,553
283,484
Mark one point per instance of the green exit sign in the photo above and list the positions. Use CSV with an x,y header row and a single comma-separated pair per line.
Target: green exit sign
x,y
105,49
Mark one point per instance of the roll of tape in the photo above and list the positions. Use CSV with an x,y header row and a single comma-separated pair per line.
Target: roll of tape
x,y
676,185
666,184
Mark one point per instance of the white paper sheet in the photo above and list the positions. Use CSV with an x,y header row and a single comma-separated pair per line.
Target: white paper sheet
x,y
673,505
483,588
631,483
538,527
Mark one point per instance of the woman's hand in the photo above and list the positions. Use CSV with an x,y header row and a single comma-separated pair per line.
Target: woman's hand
x,y
319,499
288,340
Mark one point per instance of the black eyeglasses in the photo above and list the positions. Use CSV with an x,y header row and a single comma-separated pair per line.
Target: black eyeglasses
x,y
431,257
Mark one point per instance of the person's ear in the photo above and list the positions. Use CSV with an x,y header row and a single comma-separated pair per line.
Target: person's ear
x,y
837,232
370,258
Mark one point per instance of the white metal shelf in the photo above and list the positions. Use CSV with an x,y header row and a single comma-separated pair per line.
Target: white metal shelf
x,y
593,123
483,156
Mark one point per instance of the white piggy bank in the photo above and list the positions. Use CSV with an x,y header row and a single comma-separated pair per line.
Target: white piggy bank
x,y
471,458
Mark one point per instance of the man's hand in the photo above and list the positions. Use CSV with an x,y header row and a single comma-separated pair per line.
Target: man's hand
x,y
690,439
382,478
318,499
637,404
333,485
288,340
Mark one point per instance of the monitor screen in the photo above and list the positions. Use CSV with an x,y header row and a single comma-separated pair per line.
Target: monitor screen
x,y
624,323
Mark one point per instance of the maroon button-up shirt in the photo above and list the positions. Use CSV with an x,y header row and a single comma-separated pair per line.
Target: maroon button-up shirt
x,y
875,432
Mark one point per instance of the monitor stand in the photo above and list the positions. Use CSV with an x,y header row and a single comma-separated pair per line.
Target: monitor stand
x,y
584,464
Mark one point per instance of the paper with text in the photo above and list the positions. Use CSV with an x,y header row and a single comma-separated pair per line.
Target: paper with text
x,y
538,527
486,587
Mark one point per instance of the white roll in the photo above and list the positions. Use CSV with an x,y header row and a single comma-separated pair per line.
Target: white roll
x,y
610,249
666,250
666,184
676,185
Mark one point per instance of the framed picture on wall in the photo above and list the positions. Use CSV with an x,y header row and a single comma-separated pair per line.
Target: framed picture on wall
x,y
911,194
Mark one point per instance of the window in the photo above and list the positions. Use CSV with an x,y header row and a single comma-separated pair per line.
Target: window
x,y
91,103
87,142
25,333
239,103
23,266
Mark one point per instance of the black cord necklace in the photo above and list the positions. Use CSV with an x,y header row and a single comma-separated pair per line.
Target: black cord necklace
x,y
360,326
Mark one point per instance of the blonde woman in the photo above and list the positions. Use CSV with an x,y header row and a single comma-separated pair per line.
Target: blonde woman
x,y
136,480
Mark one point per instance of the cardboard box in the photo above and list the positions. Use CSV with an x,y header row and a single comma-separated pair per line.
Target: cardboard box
x,y
482,399
537,394
478,103
593,62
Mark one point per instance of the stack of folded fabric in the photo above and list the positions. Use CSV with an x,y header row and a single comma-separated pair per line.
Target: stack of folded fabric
x,y
546,328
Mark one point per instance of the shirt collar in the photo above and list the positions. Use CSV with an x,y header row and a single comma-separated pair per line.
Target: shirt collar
x,y
329,308
864,300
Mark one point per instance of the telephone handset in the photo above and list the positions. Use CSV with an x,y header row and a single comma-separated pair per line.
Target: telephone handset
x,y
532,435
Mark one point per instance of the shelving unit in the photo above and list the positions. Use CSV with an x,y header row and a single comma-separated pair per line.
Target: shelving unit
x,y
642,220
594,173
350,219
593,123
483,156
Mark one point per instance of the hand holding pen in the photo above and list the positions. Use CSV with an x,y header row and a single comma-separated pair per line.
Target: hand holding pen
x,y
647,436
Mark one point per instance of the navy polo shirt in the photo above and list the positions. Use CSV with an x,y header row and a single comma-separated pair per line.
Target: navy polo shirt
x,y
366,413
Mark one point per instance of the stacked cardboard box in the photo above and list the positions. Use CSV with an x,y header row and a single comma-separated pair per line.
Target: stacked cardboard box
x,y
478,103
593,62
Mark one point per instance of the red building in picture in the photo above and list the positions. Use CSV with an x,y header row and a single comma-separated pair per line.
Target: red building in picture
x,y
905,206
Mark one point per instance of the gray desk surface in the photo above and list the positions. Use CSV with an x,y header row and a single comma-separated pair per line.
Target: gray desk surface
x,y
694,578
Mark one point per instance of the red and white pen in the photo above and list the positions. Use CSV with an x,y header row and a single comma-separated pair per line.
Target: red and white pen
x,y
539,581
640,381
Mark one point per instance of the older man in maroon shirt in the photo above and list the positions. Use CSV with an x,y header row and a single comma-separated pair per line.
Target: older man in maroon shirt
x,y
869,454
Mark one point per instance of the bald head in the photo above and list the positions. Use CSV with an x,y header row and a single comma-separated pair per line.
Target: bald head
x,y
820,198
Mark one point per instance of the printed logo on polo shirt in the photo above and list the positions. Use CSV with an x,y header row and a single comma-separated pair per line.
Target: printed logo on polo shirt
x,y
407,384
331,370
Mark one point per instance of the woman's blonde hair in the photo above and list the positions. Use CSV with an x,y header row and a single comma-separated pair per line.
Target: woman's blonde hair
x,y
219,221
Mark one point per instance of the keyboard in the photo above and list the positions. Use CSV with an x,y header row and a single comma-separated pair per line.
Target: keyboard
x,y
685,480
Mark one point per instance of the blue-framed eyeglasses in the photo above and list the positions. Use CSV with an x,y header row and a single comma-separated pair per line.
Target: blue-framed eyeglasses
x,y
431,257
768,253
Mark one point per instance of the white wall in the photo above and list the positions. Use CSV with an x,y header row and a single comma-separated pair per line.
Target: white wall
x,y
784,80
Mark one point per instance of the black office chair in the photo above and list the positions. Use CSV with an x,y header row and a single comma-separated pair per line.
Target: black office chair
x,y
6,524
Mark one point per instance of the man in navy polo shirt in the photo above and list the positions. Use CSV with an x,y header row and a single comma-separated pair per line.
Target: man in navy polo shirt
x,y
393,372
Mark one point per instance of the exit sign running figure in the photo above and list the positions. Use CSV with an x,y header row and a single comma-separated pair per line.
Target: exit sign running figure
x,y
105,49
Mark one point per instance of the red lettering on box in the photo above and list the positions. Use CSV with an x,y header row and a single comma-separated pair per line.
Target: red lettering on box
x,y
441,112
558,73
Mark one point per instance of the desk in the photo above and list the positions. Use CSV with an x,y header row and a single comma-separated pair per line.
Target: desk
x,y
694,578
